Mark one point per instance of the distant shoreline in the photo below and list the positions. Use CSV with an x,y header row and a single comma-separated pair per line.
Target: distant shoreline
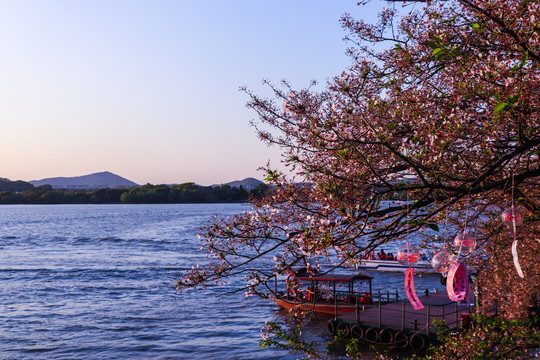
x,y
188,193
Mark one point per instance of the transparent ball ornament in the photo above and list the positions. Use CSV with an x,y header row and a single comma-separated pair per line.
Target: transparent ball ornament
x,y
510,215
408,255
442,261
466,242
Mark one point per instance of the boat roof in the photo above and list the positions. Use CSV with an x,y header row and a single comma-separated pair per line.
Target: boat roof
x,y
335,277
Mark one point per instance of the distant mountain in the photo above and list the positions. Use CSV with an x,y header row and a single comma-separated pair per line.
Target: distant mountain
x,y
247,184
99,180
16,186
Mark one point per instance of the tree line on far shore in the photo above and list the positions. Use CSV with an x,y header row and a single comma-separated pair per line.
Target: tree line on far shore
x,y
146,194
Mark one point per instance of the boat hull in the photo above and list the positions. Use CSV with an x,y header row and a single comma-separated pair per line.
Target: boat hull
x,y
319,308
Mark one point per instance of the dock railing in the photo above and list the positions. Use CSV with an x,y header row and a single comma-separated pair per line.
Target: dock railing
x,y
365,298
398,317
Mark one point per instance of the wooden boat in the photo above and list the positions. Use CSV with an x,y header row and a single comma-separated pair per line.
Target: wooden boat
x,y
393,266
332,294
388,262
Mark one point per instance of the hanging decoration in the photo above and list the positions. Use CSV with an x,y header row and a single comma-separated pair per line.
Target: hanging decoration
x,y
409,289
442,261
514,218
465,242
516,259
408,255
511,216
457,283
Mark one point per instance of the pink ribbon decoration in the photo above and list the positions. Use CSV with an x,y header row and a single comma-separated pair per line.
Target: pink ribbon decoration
x,y
516,259
457,282
409,289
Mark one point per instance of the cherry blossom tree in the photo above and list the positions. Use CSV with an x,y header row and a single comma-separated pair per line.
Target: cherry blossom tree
x,y
432,129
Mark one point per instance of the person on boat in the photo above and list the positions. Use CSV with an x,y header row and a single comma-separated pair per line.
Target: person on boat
x,y
366,299
382,255
309,294
390,256
292,285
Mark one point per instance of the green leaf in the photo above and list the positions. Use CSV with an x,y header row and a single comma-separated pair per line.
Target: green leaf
x,y
433,226
500,107
512,99
436,51
271,175
524,58
440,55
432,45
476,26
411,222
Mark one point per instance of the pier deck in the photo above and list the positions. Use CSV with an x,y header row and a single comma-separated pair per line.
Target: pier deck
x,y
400,315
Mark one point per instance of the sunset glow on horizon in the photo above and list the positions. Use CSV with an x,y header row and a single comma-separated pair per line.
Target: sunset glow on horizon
x,y
149,90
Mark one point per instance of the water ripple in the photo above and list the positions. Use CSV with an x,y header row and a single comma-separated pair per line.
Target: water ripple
x,y
94,282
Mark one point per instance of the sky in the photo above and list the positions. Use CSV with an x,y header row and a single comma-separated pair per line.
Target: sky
x,y
149,90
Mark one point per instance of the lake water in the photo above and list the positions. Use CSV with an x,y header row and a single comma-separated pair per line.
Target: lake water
x,y
95,282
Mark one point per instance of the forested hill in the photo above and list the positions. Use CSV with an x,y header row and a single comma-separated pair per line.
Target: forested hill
x,y
146,194
19,185
248,183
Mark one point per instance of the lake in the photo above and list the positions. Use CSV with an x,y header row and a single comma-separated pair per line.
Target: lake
x,y
95,282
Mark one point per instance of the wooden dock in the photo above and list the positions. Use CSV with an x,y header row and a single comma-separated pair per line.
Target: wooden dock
x,y
398,323
400,315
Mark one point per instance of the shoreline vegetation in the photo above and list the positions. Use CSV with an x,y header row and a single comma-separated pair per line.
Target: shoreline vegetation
x,y
186,193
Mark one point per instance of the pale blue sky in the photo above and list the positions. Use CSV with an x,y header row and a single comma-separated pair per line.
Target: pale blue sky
x,y
149,89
